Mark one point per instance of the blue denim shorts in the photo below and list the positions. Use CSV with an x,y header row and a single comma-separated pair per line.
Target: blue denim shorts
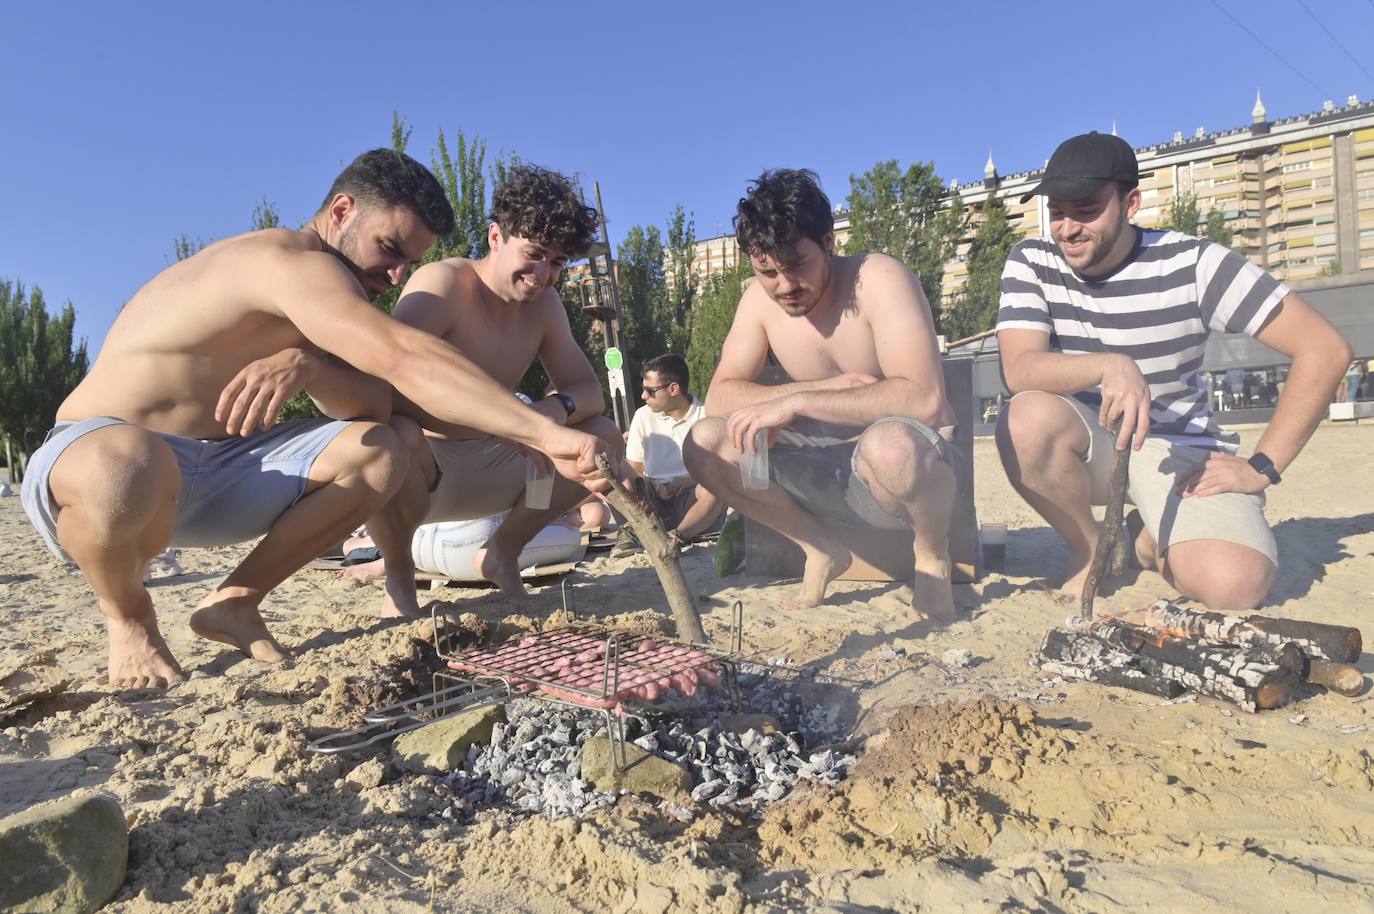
x,y
232,489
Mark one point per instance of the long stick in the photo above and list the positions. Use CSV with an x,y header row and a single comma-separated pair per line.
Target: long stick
x,y
662,551
1110,530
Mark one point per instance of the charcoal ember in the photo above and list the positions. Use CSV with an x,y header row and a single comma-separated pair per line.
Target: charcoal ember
x,y
729,795
707,789
648,742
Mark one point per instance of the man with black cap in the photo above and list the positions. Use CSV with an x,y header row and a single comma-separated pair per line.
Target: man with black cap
x,y
1105,323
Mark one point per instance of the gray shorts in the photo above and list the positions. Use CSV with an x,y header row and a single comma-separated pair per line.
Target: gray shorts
x,y
232,489
1156,469
818,471
478,477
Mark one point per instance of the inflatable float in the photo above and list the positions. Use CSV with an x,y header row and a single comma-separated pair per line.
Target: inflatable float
x,y
448,548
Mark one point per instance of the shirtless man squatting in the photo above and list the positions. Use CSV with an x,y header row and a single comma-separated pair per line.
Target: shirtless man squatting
x,y
862,435
504,311
171,438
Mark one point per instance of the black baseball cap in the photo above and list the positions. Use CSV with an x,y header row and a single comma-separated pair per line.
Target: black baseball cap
x,y
1083,163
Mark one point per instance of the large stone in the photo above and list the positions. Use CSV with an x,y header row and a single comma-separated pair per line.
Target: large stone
x,y
65,857
644,773
440,747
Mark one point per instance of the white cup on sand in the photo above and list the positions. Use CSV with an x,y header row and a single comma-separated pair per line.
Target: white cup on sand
x,y
538,487
753,468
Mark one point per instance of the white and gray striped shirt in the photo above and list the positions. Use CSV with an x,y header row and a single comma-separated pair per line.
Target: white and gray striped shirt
x,y
1157,307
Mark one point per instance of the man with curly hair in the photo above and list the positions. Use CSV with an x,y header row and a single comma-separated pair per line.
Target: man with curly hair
x,y
503,312
862,436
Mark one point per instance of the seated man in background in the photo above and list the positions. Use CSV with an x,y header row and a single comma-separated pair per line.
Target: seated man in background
x,y
653,449
172,437
1106,323
504,311
863,435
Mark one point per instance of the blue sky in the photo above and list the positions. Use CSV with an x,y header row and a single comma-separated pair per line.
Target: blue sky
x,y
126,125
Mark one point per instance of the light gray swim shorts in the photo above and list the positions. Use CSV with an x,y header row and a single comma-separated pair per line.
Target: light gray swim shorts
x,y
1156,469
232,489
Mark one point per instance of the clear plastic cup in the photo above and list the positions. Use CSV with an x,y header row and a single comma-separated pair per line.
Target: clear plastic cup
x,y
753,468
994,540
538,487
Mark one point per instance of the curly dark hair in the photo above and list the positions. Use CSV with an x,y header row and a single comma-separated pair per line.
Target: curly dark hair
x,y
390,178
781,207
543,206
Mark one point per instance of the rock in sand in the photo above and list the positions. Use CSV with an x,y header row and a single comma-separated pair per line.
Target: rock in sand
x,y
64,857
440,747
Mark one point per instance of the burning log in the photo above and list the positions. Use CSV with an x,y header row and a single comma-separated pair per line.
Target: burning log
x,y
1316,640
1078,655
662,552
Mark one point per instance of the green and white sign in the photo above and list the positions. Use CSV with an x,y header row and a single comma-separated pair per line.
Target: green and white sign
x,y
614,359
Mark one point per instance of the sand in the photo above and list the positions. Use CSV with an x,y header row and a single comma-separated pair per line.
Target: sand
x,y
982,788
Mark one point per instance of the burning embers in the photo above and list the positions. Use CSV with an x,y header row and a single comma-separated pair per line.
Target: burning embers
x,y
1255,662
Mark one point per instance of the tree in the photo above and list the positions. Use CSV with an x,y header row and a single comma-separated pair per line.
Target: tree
x,y
908,215
643,297
40,364
713,312
680,293
974,309
1216,228
1183,214
183,247
466,189
265,216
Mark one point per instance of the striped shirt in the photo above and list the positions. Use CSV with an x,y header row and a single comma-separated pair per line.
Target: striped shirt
x,y
1158,307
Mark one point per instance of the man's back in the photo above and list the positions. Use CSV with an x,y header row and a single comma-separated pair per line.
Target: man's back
x,y
185,334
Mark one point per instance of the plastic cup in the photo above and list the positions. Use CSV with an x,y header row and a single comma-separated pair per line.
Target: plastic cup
x,y
994,540
753,468
538,487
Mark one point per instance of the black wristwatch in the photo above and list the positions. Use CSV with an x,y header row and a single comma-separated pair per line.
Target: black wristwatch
x,y
1264,466
569,404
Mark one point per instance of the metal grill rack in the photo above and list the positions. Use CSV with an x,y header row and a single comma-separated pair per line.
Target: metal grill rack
x,y
525,667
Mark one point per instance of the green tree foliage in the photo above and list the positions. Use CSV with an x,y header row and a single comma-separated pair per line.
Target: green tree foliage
x,y
713,312
183,247
265,216
1217,229
40,363
1183,214
466,188
680,292
908,215
974,309
643,297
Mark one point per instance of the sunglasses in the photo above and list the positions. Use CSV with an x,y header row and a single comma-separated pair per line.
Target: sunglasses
x,y
653,391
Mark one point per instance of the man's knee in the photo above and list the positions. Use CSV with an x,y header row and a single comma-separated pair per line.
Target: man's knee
x,y
1034,422
371,451
605,429
115,470
708,439
1227,577
895,448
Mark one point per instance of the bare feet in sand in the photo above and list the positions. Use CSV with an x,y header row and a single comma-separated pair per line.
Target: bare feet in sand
x,y
235,621
373,569
932,595
139,658
502,570
821,568
399,600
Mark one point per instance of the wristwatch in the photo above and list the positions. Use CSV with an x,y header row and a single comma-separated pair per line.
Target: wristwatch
x,y
1264,466
569,404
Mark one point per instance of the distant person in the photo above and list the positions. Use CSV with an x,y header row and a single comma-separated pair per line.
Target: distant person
x,y
1349,389
172,437
1105,322
504,312
653,448
862,437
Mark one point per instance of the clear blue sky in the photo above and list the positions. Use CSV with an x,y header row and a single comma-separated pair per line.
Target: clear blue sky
x,y
127,124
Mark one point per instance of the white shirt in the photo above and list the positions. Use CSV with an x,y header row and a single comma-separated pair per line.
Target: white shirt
x,y
656,440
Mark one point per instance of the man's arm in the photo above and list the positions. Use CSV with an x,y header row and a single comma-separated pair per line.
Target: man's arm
x,y
567,366
1028,364
313,291
1320,356
257,394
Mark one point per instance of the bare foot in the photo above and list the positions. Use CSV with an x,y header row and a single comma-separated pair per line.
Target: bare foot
x,y
1071,591
932,595
139,658
821,568
400,600
502,570
373,569
236,622
1141,541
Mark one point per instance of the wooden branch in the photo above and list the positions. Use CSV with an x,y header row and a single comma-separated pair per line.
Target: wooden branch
x,y
662,552
1110,531
1317,640
1075,654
